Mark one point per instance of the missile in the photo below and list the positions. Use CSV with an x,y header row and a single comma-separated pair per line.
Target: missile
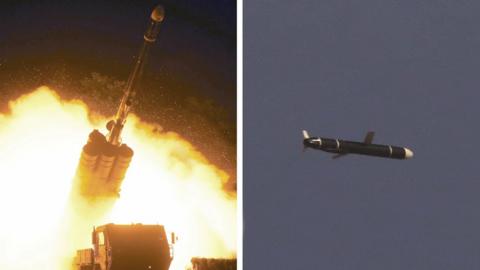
x,y
104,160
342,147
115,126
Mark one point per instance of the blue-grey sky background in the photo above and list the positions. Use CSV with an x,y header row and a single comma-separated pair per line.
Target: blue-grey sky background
x,y
408,70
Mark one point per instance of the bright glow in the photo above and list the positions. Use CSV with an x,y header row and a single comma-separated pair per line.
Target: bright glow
x,y
168,183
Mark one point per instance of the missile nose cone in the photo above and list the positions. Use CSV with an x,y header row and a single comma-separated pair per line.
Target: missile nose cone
x,y
408,153
158,14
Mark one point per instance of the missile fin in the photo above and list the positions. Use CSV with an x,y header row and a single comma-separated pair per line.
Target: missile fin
x,y
339,155
305,134
304,149
369,137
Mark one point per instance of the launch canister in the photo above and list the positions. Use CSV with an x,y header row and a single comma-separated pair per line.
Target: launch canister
x,y
343,147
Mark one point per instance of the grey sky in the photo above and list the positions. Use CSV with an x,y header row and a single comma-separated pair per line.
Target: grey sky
x,y
408,70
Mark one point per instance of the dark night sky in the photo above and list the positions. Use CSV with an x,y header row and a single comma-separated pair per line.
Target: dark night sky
x,y
197,39
408,70
189,83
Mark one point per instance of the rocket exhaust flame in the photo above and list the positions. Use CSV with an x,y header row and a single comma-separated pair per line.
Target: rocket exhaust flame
x,y
168,182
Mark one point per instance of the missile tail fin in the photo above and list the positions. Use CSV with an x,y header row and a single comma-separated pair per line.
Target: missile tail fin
x,y
304,149
305,134
339,155
369,137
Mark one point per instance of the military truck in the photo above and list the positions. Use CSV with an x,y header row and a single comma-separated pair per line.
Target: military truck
x,y
127,247
213,264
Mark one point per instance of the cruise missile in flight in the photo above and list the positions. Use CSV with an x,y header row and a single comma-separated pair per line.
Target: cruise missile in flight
x,y
342,147
105,159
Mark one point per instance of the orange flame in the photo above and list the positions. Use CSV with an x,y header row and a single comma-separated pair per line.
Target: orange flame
x,y
168,183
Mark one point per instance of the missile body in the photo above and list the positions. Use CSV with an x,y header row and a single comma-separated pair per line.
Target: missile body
x,y
104,160
115,126
343,147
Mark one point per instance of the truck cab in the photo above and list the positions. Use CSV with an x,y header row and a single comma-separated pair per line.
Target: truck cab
x,y
126,247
